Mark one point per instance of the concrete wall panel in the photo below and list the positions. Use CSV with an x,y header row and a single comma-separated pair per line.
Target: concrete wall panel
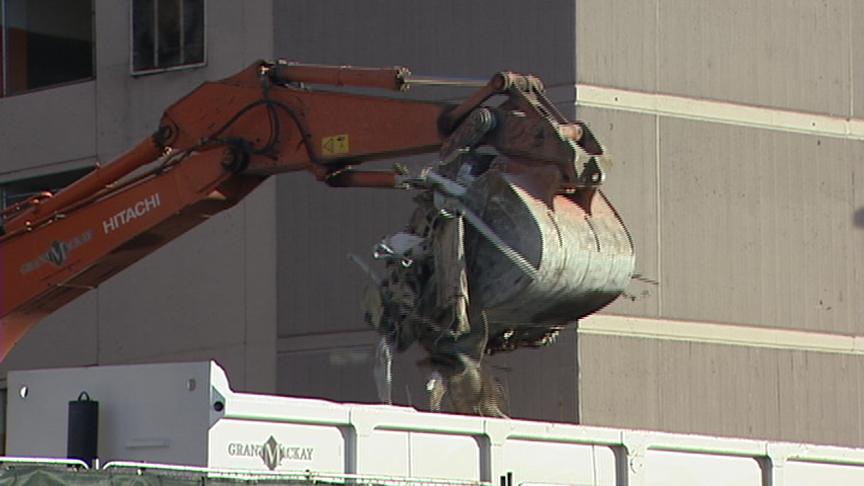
x,y
260,291
335,374
207,295
318,227
47,127
69,337
617,43
540,384
856,54
792,56
199,296
854,259
756,227
763,53
443,38
631,186
720,390
345,373
614,386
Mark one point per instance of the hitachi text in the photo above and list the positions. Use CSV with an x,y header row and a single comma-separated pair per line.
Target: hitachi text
x,y
129,214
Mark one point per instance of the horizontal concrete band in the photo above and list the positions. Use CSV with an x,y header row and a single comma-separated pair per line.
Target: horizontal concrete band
x,y
716,333
718,112
632,327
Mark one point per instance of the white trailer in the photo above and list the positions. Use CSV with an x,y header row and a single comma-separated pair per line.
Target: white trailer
x,y
186,414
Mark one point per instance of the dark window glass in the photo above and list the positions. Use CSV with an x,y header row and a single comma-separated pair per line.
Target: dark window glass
x,y
20,190
167,33
47,42
193,30
143,52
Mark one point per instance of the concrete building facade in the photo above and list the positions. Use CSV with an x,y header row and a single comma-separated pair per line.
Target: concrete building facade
x,y
747,213
736,134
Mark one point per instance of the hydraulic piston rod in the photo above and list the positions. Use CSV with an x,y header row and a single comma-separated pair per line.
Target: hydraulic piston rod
x,y
413,80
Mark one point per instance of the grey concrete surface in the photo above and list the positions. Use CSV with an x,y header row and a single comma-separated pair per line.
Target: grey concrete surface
x,y
318,227
69,337
856,54
47,127
794,57
616,43
261,292
721,390
540,384
213,293
442,38
756,227
763,53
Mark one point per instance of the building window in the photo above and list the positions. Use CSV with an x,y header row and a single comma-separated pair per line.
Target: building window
x,y
167,34
45,43
14,192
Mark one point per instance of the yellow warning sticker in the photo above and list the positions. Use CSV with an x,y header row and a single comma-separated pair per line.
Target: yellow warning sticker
x,y
335,145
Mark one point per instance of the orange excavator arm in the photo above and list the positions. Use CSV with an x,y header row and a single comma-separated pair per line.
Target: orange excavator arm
x,y
219,142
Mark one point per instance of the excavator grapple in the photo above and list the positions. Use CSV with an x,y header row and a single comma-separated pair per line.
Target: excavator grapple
x,y
496,259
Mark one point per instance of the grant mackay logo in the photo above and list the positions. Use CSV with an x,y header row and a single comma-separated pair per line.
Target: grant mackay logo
x,y
271,452
57,252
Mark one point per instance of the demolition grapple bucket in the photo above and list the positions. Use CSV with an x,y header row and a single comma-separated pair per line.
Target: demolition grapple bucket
x,y
580,255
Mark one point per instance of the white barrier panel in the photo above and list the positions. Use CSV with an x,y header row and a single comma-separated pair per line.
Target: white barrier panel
x,y
443,456
540,462
809,474
663,468
420,455
385,453
186,414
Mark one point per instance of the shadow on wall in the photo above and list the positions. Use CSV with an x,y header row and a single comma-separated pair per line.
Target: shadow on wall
x,y
858,218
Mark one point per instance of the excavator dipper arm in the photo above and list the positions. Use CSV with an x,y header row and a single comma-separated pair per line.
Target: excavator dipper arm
x,y
525,227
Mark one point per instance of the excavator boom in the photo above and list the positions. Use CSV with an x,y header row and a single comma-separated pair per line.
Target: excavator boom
x,y
212,147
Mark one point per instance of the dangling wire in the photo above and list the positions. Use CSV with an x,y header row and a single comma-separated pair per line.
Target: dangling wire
x,y
384,370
